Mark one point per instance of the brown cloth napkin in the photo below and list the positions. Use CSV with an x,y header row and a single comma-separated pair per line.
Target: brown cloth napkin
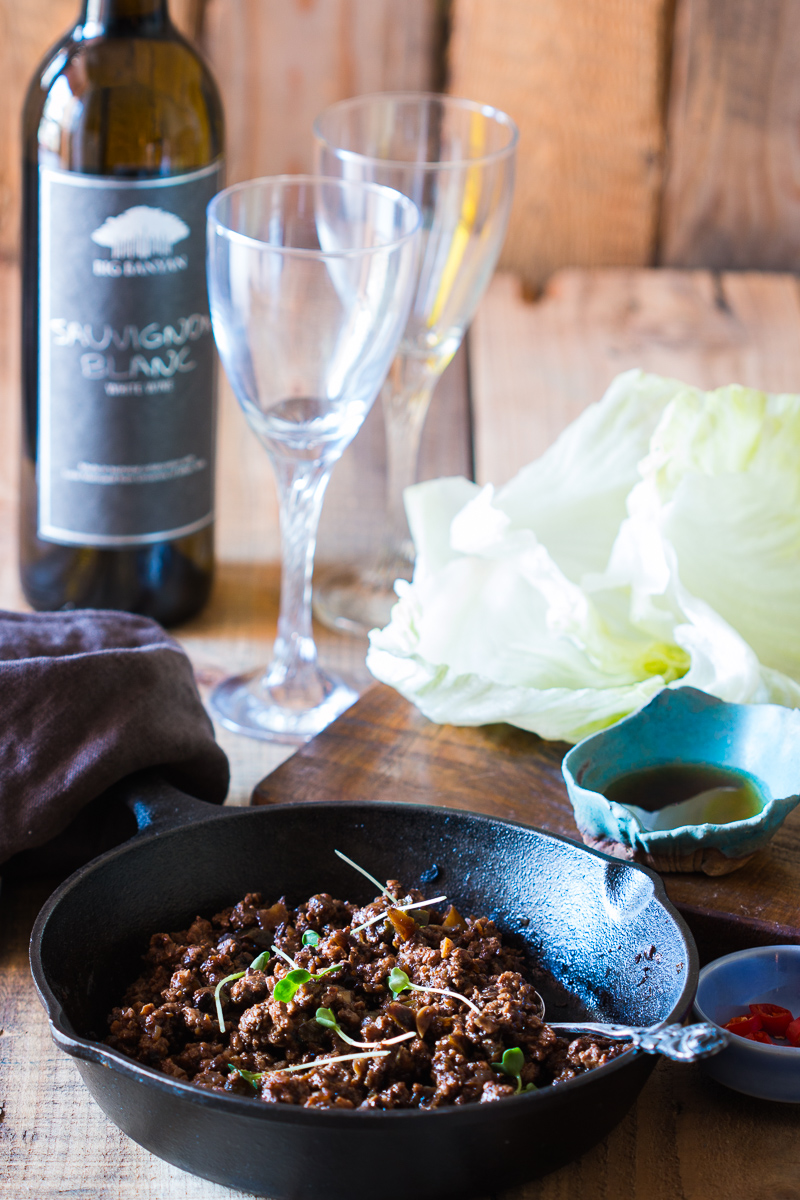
x,y
86,698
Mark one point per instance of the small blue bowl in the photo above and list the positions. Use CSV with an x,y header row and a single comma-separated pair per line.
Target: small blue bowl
x,y
764,975
685,727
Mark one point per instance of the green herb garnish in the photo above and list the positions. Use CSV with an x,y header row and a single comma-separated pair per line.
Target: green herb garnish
x,y
326,1018
257,964
400,908
380,886
285,988
511,1063
399,982
311,938
282,954
252,1076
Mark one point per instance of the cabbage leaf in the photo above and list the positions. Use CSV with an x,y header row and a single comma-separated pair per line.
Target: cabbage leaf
x,y
655,544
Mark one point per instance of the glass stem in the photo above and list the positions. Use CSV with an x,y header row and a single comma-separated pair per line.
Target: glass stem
x,y
301,489
406,397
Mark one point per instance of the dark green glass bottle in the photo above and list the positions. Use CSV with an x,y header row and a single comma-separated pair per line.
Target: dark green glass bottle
x,y
122,147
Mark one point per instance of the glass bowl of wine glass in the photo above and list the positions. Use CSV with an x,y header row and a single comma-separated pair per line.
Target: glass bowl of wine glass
x,y
310,283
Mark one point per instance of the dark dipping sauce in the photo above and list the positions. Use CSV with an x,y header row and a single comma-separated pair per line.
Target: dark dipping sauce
x,y
658,787
168,1018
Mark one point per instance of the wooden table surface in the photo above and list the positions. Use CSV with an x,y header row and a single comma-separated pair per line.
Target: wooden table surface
x,y
532,368
384,749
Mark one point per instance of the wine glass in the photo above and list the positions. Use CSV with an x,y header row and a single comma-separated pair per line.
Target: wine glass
x,y
310,282
455,159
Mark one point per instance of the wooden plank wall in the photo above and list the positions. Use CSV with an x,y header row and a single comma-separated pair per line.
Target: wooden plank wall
x,y
650,133
630,153
27,31
280,62
732,196
585,82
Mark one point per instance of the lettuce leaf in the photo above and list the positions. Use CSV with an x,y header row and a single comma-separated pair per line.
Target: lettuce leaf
x,y
655,544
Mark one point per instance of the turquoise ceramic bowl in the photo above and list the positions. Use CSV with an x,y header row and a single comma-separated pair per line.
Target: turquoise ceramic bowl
x,y
683,726
764,975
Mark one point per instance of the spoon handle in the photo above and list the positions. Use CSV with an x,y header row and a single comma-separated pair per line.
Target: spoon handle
x,y
683,1043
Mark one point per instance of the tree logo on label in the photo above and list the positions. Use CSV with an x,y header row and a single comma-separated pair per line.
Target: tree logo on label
x,y
141,232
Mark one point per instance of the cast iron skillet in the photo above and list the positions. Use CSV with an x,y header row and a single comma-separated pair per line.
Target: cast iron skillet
x,y
607,938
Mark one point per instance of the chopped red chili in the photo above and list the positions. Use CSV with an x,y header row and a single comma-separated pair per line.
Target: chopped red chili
x,y
759,1036
744,1025
773,1018
766,1019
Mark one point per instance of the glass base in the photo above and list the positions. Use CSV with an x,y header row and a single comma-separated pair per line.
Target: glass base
x,y
356,601
248,705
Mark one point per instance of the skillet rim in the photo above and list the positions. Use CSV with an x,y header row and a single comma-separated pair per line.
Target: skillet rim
x,y
96,1054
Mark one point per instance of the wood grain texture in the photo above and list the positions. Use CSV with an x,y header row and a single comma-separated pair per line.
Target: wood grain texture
x,y
354,516
541,363
236,631
54,1141
354,513
188,16
732,194
233,635
584,80
280,62
27,31
685,1139
384,749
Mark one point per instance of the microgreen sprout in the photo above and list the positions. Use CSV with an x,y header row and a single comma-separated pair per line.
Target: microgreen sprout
x,y
311,938
399,982
511,1063
252,1076
380,886
400,908
257,964
282,954
326,1018
285,988
249,1076
323,1062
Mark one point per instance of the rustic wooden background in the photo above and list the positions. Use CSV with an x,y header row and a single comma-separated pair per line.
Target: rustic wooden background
x,y
652,131
532,367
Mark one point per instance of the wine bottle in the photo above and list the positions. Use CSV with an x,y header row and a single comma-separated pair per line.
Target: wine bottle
x,y
122,150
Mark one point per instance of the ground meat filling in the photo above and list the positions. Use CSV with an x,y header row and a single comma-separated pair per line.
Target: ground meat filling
x,y
169,1020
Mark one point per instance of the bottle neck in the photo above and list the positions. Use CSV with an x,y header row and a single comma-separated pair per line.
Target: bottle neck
x,y
123,16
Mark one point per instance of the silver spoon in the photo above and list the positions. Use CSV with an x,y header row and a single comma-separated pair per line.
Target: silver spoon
x,y
683,1043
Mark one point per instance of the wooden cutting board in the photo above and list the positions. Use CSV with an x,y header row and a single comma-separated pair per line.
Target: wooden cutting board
x,y
384,749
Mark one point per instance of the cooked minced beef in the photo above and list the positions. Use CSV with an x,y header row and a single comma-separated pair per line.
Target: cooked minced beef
x,y
168,1019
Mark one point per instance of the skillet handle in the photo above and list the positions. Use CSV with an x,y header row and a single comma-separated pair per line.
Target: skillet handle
x,y
157,805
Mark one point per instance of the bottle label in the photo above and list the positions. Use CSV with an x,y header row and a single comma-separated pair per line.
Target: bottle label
x,y
126,356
